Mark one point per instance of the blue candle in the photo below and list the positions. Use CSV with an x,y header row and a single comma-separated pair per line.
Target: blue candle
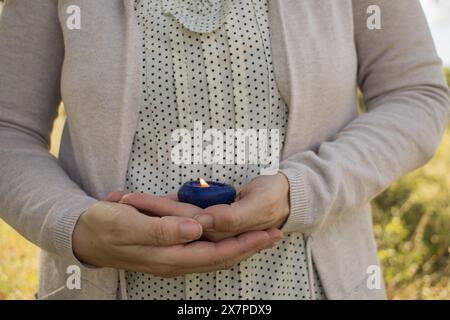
x,y
205,194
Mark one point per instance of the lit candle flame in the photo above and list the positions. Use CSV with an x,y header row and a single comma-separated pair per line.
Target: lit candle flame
x,y
203,183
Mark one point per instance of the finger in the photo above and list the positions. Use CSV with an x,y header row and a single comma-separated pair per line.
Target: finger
x,y
156,231
160,206
226,264
216,236
242,215
135,258
204,254
115,196
172,197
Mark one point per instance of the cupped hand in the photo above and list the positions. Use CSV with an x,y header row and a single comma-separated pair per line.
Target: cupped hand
x,y
261,204
116,235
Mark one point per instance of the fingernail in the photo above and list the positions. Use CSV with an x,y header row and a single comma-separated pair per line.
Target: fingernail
x,y
190,230
124,197
206,221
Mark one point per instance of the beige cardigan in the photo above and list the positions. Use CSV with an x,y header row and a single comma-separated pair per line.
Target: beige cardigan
x,y
336,160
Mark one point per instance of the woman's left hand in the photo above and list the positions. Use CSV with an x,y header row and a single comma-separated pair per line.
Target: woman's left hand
x,y
261,204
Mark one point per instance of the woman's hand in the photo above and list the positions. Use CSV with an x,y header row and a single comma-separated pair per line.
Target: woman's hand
x,y
116,235
261,204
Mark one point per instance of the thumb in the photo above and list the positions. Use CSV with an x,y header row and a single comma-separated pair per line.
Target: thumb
x,y
165,231
115,196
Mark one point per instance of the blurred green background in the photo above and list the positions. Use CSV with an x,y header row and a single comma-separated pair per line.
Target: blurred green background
x,y
412,227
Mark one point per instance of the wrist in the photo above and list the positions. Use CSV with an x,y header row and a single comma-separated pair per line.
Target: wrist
x,y
285,190
284,196
83,238
64,226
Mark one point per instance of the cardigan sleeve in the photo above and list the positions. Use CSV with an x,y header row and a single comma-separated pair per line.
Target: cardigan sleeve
x,y
407,104
37,197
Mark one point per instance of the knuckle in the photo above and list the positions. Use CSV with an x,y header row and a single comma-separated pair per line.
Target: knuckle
x,y
113,218
231,222
160,233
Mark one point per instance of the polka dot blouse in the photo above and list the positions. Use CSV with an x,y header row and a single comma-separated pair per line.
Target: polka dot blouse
x,y
210,61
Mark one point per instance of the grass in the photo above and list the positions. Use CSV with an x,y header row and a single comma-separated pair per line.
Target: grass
x,y
412,228
18,265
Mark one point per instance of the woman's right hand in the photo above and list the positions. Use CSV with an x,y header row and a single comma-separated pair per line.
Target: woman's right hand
x,y
116,235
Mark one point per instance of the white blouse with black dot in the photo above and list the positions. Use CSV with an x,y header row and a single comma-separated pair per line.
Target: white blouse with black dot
x,y
210,61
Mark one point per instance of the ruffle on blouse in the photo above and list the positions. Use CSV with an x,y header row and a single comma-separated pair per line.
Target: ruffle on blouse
x,y
201,16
